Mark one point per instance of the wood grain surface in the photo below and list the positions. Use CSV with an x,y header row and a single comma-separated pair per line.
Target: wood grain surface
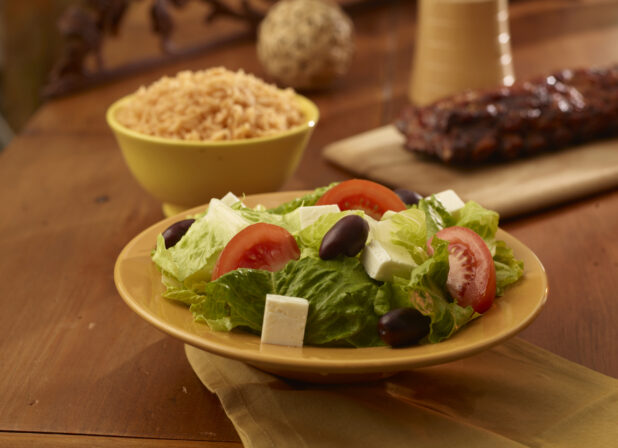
x,y
78,368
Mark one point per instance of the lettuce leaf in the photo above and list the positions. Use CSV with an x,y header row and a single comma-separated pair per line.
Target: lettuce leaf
x,y
430,297
436,216
192,259
344,302
310,238
508,268
303,201
485,223
254,215
407,229
479,219
235,299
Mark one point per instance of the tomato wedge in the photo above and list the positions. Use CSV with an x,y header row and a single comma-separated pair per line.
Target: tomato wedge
x,y
358,194
472,273
258,246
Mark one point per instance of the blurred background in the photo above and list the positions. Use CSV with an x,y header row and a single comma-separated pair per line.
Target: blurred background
x,y
29,44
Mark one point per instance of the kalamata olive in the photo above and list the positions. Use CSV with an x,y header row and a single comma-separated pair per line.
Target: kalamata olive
x,y
176,231
409,197
346,237
403,326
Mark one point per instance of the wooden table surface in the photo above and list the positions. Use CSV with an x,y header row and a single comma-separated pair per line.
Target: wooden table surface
x,y
79,368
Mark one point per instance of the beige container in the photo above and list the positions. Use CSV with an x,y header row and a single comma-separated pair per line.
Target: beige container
x,y
461,44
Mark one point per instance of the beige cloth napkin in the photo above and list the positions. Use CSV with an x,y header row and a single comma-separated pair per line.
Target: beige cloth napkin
x,y
513,395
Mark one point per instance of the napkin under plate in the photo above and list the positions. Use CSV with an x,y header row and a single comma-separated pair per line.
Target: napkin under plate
x,y
514,395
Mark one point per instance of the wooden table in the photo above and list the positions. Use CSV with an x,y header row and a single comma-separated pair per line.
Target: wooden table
x,y
78,368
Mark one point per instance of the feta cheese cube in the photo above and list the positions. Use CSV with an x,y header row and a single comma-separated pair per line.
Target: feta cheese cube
x,y
371,221
450,201
230,199
382,230
383,261
372,227
284,320
310,214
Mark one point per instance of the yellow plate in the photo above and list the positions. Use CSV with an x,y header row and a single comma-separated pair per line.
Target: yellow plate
x,y
139,283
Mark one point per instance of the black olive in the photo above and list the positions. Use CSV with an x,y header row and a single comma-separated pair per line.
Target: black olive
x,y
346,237
409,197
176,231
403,326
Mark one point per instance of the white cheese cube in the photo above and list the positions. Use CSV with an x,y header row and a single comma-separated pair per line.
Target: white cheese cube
x,y
382,230
230,199
284,320
310,214
383,261
371,221
449,200
372,227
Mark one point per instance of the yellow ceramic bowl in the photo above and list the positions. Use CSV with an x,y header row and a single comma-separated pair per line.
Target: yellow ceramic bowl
x,y
184,174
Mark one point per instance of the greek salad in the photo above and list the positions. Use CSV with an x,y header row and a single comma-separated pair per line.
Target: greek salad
x,y
351,264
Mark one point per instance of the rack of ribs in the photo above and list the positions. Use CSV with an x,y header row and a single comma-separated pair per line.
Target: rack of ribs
x,y
542,114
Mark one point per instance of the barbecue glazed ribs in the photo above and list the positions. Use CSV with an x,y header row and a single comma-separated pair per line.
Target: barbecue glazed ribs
x,y
542,114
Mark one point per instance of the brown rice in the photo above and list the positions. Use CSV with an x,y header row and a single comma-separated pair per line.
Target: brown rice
x,y
213,104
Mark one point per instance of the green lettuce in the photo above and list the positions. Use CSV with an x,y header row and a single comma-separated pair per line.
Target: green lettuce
x,y
344,302
254,215
310,238
508,268
479,219
428,295
192,259
176,291
407,229
235,299
436,216
303,201
485,223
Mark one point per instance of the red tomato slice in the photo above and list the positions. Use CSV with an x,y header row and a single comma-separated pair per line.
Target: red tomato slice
x,y
258,246
472,273
358,194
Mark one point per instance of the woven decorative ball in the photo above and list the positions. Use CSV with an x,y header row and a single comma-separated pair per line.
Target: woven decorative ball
x,y
305,44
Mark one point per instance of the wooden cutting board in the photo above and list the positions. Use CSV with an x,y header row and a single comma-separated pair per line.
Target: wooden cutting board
x,y
511,188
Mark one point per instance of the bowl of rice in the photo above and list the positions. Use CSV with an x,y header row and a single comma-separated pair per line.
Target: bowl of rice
x,y
201,134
